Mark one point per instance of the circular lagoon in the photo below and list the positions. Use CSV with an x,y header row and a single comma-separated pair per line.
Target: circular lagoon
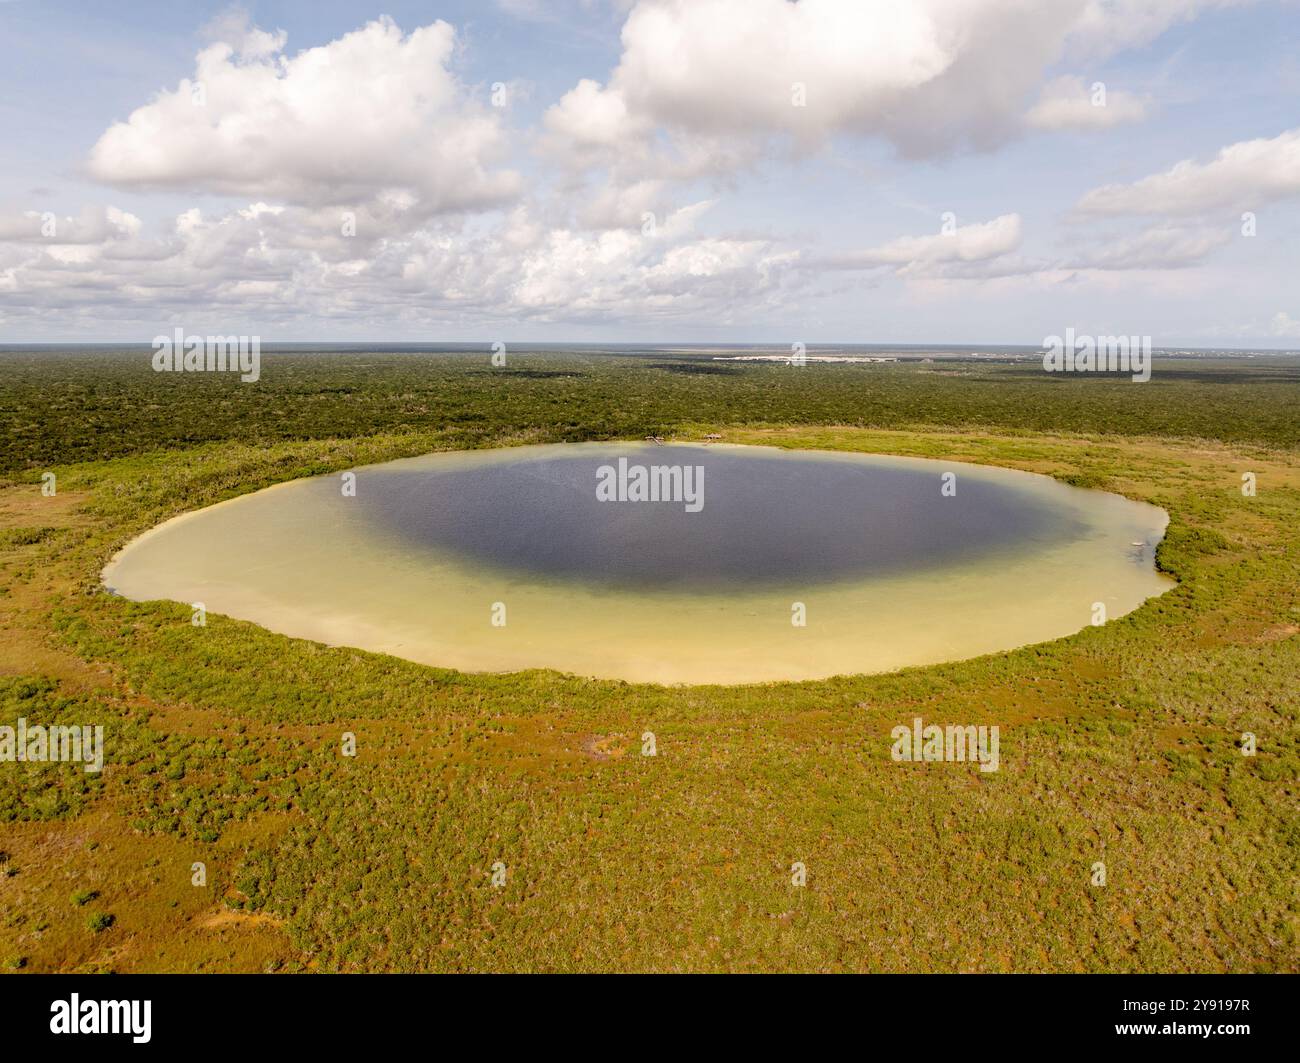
x,y
677,563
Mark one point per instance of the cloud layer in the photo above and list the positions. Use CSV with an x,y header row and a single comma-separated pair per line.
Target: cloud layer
x,y
362,180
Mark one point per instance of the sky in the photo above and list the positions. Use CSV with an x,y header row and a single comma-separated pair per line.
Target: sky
x,y
661,171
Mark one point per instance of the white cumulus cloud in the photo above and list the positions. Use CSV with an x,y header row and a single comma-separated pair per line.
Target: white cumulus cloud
x,y
374,111
1242,176
929,76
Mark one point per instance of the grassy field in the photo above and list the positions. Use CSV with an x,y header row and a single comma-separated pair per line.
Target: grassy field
x,y
1120,744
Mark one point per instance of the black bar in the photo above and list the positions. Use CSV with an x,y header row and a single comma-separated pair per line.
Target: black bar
x,y
601,1013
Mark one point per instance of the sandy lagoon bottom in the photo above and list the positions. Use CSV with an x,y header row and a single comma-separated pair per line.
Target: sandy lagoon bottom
x,y
432,553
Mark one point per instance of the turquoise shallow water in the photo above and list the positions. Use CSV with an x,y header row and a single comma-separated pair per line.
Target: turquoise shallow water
x,y
793,565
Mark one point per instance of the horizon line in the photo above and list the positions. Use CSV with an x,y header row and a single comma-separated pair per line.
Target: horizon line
x,y
686,344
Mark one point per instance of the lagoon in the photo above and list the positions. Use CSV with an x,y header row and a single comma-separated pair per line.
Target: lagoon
x,y
794,564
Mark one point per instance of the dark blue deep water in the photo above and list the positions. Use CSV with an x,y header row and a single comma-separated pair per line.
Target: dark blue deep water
x,y
765,520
